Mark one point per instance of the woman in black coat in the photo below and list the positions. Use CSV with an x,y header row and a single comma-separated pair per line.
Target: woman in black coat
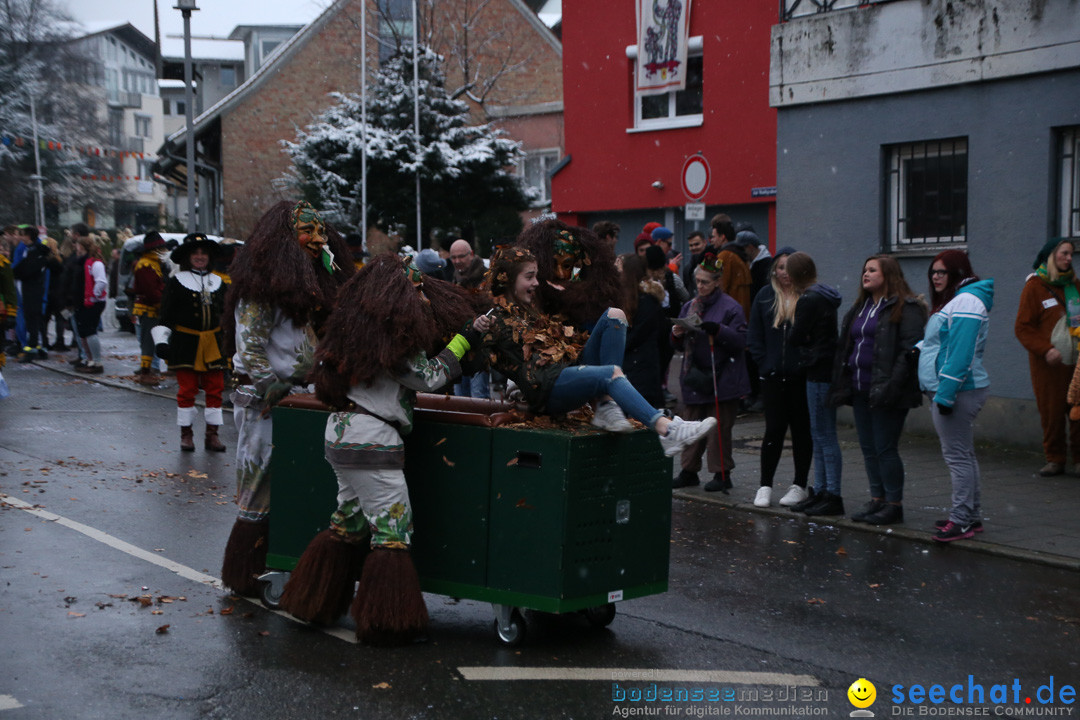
x,y
876,372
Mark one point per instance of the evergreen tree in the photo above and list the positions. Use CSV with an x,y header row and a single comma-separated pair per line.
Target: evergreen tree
x,y
463,168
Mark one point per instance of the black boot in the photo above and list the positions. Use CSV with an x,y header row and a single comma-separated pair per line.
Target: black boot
x,y
720,481
890,514
829,504
685,479
811,498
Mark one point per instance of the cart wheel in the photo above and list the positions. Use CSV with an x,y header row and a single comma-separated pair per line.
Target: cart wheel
x,y
273,585
601,615
514,632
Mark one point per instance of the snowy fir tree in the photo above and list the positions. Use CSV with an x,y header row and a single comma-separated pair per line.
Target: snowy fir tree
x,y
466,173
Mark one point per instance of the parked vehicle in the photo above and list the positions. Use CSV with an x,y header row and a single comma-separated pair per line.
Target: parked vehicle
x,y
130,255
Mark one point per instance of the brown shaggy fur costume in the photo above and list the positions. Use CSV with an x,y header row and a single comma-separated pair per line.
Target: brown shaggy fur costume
x,y
380,324
596,287
273,269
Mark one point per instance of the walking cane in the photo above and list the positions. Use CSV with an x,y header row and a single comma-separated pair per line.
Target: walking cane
x,y
716,403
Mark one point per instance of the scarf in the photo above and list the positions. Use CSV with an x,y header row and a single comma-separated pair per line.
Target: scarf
x,y
1065,281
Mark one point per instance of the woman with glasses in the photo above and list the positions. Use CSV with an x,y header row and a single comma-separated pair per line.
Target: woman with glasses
x,y
951,372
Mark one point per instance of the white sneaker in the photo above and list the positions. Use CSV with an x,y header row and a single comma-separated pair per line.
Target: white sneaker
x,y
609,416
763,497
794,496
682,433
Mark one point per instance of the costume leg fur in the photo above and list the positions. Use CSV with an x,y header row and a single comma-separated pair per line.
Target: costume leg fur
x,y
389,608
321,586
245,556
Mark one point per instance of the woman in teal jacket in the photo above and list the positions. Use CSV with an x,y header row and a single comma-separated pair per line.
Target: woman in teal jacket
x,y
951,372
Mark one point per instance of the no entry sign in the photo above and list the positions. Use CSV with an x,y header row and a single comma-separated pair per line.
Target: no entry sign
x,y
695,177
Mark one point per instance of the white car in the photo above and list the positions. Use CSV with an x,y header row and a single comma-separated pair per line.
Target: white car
x,y
129,255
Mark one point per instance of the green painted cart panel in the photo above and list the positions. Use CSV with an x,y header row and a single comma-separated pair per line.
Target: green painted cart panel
x,y
549,520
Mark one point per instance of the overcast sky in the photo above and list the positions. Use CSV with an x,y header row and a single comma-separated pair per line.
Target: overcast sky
x,y
214,17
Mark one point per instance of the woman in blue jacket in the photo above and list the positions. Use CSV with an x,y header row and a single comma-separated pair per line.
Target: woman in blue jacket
x,y
952,373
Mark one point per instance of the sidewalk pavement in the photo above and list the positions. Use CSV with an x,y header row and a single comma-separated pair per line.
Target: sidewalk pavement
x,y
1026,517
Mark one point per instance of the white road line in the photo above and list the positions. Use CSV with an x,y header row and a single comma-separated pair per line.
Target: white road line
x,y
635,676
7,702
182,570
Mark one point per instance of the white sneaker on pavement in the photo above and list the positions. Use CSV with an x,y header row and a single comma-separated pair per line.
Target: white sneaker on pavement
x,y
794,496
609,416
763,497
684,432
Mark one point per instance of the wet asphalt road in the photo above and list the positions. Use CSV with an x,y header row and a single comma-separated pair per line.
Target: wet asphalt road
x,y
795,602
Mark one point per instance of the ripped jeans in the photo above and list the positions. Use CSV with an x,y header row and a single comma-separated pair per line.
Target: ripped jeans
x,y
579,384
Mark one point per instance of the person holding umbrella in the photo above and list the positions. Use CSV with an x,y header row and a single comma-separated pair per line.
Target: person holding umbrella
x,y
711,333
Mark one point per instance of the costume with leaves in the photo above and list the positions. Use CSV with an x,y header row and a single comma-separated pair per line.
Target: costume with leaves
x,y
281,293
372,361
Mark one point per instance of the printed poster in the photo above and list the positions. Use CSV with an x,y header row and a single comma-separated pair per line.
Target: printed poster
x,y
663,29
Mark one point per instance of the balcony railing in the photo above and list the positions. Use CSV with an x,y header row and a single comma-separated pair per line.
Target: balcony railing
x,y
790,9
123,98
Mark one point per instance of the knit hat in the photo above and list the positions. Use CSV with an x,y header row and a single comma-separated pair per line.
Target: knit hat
x,y
642,239
655,258
745,238
661,233
1048,250
429,262
153,241
649,227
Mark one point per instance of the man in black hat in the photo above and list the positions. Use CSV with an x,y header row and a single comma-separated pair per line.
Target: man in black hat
x,y
189,337
148,279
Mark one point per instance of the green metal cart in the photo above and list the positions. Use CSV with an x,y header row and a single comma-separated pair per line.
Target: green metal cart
x,y
551,520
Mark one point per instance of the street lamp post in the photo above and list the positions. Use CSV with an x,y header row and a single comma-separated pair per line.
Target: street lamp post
x,y
186,7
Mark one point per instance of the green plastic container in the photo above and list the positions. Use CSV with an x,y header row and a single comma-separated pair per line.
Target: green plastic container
x,y
548,520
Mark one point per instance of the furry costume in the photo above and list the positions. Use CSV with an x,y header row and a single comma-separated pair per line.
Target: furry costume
x,y
576,260
280,295
371,362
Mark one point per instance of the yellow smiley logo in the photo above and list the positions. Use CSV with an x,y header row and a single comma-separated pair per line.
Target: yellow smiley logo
x,y
862,693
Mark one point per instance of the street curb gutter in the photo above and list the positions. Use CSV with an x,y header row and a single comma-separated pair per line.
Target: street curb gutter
x,y
981,546
120,385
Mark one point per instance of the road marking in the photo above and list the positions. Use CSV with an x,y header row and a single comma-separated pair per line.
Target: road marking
x,y
637,675
8,702
155,558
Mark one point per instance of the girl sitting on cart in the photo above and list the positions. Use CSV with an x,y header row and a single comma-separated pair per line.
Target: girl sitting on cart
x,y
369,365
555,372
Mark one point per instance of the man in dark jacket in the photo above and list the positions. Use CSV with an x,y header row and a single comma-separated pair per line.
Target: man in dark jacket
x,y
31,272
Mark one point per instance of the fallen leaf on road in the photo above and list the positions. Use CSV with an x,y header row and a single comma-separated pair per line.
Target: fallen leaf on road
x,y
841,551
264,633
815,601
440,442
196,474
448,461
162,630
875,585
72,613
382,686
157,612
227,611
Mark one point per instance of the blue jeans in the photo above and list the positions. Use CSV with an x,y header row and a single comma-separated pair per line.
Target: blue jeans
x,y
828,460
879,432
475,385
579,384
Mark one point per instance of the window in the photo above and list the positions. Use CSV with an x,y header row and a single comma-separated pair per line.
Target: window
x,y
1069,182
679,108
166,106
927,193
142,126
536,170
228,75
269,46
181,107
395,26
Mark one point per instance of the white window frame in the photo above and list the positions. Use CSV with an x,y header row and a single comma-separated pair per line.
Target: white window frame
x,y
549,158
694,48
147,122
1068,200
896,181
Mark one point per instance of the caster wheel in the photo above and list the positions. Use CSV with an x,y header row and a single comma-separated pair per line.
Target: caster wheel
x,y
273,585
514,633
600,616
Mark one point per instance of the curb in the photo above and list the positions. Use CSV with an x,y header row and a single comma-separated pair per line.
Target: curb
x,y
972,545
113,383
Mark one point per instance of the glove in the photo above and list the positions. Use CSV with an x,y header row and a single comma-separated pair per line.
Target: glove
x,y
943,409
162,350
276,392
710,328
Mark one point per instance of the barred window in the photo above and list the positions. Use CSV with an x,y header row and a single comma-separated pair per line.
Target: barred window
x,y
927,193
1069,182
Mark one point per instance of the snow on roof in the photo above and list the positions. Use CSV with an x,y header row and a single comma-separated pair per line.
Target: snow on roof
x,y
203,49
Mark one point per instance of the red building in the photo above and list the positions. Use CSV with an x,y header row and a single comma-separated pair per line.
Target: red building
x,y
625,153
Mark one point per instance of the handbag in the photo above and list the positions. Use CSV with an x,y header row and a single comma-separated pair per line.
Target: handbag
x,y
1063,341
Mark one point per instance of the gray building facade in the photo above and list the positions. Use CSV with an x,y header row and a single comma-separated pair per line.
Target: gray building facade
x,y
913,126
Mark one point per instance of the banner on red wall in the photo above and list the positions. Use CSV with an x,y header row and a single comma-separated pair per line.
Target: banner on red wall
x,y
663,30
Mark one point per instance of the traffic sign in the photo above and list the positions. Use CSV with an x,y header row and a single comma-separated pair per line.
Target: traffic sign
x,y
695,177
